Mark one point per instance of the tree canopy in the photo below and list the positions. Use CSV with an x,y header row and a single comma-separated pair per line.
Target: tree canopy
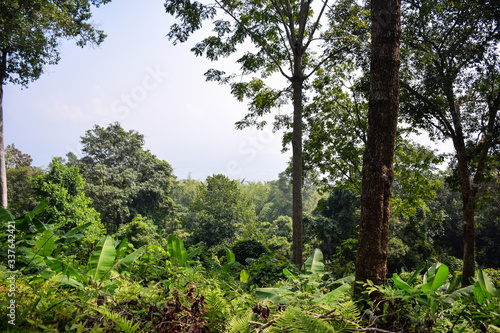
x,y
451,88
123,178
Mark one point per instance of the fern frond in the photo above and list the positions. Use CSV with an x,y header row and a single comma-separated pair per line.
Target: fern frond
x,y
294,320
239,324
348,316
126,325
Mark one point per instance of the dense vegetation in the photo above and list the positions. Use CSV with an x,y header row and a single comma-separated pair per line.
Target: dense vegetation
x,y
113,241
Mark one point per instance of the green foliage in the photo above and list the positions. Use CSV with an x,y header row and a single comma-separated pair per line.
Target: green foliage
x,y
14,158
20,196
31,34
219,211
248,248
267,270
123,178
140,231
334,220
69,207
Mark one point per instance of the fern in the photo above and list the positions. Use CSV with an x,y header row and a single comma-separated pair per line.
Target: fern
x,y
126,325
294,320
219,309
350,315
239,324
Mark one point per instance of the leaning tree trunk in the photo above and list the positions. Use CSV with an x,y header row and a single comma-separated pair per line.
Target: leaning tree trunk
x,y
297,171
378,174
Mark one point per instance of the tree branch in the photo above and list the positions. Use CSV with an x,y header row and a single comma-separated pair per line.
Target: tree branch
x,y
257,37
316,24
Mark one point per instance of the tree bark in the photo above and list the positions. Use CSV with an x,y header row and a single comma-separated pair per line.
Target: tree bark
x,y
377,173
297,230
3,173
470,188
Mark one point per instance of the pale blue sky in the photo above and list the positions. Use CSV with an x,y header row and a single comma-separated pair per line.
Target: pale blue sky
x,y
138,78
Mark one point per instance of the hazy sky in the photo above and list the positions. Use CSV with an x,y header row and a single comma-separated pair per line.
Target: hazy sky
x,y
138,78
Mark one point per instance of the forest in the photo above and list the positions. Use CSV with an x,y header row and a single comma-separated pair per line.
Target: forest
x,y
367,230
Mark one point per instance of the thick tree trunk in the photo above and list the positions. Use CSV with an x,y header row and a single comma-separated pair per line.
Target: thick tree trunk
x,y
378,174
3,174
469,268
297,171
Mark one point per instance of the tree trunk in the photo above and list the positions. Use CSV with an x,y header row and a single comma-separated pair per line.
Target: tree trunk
x,y
297,171
378,174
3,174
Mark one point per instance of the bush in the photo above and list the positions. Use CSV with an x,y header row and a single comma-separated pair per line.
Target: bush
x,y
248,248
267,270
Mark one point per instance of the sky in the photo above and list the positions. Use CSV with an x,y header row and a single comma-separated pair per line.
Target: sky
x,y
138,78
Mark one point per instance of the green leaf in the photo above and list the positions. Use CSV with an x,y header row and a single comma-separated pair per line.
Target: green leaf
x,y
5,215
77,229
40,207
459,294
244,276
64,268
69,240
40,227
416,273
487,285
314,264
122,247
176,249
333,295
398,282
45,244
63,279
479,293
103,258
288,274
273,294
230,255
125,262
436,277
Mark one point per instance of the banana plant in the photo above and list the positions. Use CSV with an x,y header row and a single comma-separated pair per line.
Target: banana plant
x,y
178,253
308,281
103,266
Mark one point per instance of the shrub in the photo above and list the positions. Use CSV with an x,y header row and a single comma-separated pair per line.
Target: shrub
x,y
248,248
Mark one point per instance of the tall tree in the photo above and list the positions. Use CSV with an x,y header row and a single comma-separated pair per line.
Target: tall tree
x,y
30,32
451,88
376,186
283,34
218,211
123,179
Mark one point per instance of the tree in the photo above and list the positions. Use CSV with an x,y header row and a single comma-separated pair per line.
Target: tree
x,y
336,134
68,206
376,186
21,197
122,178
19,173
451,86
283,34
14,158
218,211
30,32
334,220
